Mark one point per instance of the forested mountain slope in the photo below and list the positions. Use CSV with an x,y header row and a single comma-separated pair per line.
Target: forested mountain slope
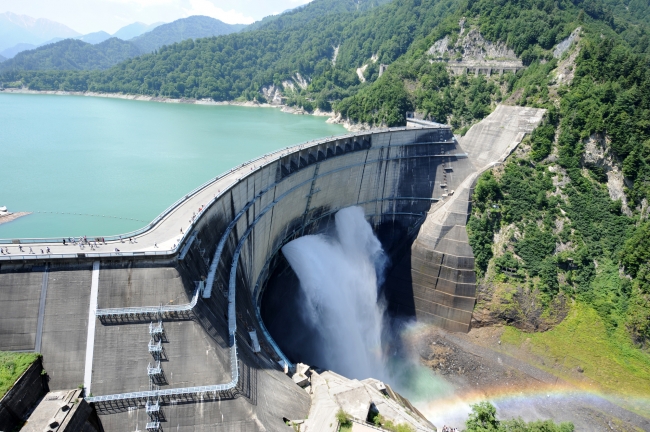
x,y
295,48
186,28
72,54
67,55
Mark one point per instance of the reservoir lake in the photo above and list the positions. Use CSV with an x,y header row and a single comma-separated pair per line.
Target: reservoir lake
x,y
103,166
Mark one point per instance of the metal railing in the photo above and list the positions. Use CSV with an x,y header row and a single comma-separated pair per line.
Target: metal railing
x,y
155,347
149,310
155,369
178,391
153,426
156,330
152,407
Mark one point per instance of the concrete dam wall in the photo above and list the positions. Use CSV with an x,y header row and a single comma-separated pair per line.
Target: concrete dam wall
x,y
394,176
95,315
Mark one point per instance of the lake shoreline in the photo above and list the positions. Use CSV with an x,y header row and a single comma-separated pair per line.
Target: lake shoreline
x,y
333,118
12,217
77,157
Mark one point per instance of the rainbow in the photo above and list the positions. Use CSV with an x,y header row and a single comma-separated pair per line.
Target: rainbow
x,y
443,404
452,410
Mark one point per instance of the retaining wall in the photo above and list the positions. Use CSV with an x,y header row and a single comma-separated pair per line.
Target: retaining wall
x,y
16,404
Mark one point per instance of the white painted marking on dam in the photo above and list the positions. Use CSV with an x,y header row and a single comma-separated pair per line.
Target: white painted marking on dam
x,y
41,313
90,340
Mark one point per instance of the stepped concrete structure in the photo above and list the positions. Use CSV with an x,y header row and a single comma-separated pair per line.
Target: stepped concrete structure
x,y
162,326
435,279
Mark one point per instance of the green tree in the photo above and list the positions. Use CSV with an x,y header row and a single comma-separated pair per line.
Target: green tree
x,y
483,418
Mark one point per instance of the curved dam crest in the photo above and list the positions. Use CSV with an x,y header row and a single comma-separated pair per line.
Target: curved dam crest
x,y
402,178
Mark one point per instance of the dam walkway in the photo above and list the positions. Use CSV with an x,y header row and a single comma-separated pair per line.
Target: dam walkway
x,y
171,231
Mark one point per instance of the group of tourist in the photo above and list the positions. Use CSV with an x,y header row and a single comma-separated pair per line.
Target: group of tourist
x,y
83,241
194,216
449,429
5,251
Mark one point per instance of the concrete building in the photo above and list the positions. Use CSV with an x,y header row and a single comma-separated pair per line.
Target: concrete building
x,y
171,336
486,67
63,411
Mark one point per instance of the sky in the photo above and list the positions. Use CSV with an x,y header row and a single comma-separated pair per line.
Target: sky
x,y
87,16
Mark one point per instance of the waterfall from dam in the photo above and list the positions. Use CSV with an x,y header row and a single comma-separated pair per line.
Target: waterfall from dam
x,y
339,277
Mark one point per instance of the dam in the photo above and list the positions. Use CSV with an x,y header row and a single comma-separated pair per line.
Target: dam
x,y
163,326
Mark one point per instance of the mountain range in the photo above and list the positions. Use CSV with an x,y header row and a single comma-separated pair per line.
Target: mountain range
x,y
15,29
134,30
100,50
186,28
32,33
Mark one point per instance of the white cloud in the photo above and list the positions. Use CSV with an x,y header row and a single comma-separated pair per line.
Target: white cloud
x,y
206,7
143,3
86,16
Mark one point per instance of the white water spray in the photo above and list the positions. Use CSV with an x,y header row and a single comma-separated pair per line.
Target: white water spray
x,y
339,288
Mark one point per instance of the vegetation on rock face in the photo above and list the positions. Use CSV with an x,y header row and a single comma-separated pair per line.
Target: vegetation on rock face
x,y
552,204
382,422
584,349
344,420
12,366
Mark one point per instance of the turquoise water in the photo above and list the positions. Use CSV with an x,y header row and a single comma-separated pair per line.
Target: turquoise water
x,y
123,161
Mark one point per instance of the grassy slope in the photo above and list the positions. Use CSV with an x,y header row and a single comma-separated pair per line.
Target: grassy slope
x,y
12,366
612,366
610,362
608,359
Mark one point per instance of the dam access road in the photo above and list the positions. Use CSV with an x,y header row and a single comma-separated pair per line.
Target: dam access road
x,y
171,337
